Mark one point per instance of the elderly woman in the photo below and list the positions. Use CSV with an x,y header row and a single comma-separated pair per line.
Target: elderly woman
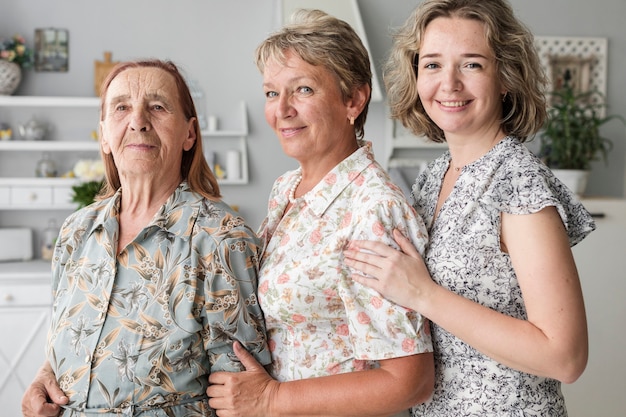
x,y
154,282
322,326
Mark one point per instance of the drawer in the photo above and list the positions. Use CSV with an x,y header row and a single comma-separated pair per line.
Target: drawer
x,y
5,193
31,196
15,295
62,196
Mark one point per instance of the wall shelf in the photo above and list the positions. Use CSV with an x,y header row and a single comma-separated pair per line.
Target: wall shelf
x,y
216,142
48,145
43,101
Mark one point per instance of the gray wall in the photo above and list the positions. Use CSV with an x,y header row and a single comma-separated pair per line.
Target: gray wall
x,y
213,41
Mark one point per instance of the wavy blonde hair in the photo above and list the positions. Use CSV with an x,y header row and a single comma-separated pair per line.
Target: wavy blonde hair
x,y
518,67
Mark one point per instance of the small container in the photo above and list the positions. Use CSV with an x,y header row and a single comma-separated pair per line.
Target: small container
x,y
46,167
49,239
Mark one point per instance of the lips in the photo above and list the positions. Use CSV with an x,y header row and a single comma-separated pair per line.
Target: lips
x,y
289,131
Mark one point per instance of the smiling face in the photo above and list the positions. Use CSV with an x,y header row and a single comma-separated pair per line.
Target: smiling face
x,y
144,126
305,108
457,79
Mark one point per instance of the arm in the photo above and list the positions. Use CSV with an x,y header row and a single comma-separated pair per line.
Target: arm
x,y
44,396
552,342
397,385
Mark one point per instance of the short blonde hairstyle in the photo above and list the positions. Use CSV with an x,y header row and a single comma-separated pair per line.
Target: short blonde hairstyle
x,y
321,39
518,67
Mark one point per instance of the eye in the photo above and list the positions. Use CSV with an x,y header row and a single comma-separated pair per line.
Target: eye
x,y
271,94
305,90
121,107
431,65
474,65
158,107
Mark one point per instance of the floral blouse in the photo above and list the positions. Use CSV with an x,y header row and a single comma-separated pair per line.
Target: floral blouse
x,y
140,333
464,256
319,321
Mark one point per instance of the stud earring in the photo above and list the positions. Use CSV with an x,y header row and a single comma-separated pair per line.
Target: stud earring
x,y
351,120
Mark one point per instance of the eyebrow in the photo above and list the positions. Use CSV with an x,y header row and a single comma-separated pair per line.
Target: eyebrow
x,y
151,97
307,80
467,55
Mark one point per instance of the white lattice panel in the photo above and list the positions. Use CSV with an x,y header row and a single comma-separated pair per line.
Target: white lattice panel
x,y
594,49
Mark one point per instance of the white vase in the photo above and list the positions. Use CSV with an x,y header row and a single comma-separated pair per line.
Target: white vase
x,y
574,179
10,77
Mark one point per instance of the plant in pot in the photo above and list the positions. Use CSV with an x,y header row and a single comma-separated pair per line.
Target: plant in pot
x,y
571,139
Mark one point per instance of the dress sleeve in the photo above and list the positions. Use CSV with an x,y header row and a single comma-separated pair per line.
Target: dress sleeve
x,y
231,306
527,187
379,328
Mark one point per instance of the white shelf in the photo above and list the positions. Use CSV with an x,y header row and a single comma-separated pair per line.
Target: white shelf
x,y
43,101
37,181
241,136
48,145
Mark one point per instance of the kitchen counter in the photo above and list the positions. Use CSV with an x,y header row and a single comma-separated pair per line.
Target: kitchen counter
x,y
35,269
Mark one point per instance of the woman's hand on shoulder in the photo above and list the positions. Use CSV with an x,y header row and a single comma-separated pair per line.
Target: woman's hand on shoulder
x,y
399,275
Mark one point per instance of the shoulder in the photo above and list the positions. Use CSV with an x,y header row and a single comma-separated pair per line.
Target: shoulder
x,y
522,184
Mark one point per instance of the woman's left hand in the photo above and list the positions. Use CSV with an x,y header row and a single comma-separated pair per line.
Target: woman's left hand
x,y
242,394
400,276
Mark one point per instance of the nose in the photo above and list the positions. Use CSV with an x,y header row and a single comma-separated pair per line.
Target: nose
x,y
139,121
284,108
451,80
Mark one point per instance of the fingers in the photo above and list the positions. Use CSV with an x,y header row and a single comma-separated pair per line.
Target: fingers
x,y
247,360
405,244
37,405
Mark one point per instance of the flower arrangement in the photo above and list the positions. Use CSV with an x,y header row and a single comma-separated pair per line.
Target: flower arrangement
x,y
15,50
91,174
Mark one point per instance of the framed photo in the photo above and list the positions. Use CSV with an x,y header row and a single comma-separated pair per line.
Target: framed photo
x,y
574,70
51,50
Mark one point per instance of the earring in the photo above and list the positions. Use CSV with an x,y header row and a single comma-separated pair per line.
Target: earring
x,y
504,97
351,120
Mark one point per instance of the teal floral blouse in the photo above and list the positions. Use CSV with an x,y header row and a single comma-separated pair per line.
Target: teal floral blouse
x,y
138,335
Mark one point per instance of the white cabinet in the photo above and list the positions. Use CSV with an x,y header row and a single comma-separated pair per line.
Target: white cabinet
x,y
601,262
25,191
25,303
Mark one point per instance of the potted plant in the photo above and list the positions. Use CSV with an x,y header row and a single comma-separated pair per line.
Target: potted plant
x,y
571,139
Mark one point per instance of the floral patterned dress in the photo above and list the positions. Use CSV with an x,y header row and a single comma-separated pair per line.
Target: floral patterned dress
x,y
319,321
464,256
138,334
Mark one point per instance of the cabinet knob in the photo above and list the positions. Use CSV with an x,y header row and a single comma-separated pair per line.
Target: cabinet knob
x,y
8,297
33,196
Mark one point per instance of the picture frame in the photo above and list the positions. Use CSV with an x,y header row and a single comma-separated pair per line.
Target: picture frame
x,y
51,50
577,70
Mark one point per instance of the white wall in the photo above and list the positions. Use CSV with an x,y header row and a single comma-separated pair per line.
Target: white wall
x,y
214,42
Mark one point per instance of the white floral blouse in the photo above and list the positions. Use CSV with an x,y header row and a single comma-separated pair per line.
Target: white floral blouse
x,y
138,334
319,321
464,256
